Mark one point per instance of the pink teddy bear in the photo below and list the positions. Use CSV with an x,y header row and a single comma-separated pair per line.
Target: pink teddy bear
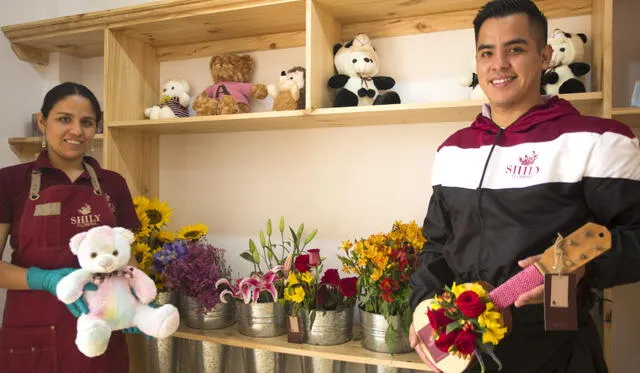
x,y
123,292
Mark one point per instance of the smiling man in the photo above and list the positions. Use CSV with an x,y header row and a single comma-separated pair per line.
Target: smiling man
x,y
528,168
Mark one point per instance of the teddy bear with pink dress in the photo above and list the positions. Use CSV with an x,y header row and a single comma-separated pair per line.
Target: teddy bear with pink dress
x,y
123,292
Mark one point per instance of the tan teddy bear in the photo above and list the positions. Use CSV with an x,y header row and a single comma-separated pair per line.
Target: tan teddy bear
x,y
231,89
290,93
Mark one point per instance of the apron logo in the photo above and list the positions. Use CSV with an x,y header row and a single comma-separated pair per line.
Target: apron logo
x,y
85,219
526,168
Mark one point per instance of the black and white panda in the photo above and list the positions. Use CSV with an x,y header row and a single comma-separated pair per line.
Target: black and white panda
x,y
357,65
568,51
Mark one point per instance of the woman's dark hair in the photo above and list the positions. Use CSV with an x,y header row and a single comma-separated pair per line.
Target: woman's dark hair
x,y
503,8
63,90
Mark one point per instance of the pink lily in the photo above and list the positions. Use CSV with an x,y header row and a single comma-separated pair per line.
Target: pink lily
x,y
231,289
256,284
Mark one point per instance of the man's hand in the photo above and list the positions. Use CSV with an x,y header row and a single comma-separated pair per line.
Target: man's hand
x,y
413,340
536,295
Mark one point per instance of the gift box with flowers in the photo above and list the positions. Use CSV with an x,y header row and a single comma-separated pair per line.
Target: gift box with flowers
x,y
384,263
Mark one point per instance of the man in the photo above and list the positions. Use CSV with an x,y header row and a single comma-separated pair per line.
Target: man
x,y
528,168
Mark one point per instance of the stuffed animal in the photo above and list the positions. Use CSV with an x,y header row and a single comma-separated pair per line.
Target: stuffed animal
x,y
471,80
174,102
231,89
356,63
566,65
290,93
123,292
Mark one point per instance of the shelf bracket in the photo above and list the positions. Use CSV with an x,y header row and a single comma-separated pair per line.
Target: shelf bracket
x,y
30,54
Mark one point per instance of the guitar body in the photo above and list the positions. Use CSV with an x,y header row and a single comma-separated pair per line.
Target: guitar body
x,y
445,362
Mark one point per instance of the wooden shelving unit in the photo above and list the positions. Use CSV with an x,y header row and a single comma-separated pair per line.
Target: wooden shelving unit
x,y
351,351
29,147
134,40
627,115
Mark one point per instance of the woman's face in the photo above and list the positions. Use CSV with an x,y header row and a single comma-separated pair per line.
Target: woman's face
x,y
69,128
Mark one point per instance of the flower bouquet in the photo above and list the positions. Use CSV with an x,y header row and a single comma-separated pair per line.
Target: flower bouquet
x,y
385,263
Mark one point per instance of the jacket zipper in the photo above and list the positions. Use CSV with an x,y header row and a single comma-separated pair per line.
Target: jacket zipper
x,y
482,228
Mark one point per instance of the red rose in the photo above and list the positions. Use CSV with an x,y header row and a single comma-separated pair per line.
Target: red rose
x,y
470,304
437,319
331,277
388,285
314,257
302,263
466,342
445,340
348,286
387,297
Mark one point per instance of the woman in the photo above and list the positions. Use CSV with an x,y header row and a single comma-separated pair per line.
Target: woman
x,y
42,205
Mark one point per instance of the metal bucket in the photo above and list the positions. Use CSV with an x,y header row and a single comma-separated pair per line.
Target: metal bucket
x,y
329,327
384,369
161,353
219,317
374,328
260,361
261,319
320,365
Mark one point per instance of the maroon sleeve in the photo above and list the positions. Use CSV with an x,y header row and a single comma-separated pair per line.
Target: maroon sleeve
x,y
126,213
5,198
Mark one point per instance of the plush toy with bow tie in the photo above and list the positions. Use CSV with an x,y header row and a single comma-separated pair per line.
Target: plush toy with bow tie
x,y
356,65
123,292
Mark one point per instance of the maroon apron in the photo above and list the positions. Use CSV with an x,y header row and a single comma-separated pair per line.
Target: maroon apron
x,y
38,333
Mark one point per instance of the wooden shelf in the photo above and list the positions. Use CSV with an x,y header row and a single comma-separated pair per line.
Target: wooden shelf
x,y
627,115
351,351
28,147
455,111
380,18
243,25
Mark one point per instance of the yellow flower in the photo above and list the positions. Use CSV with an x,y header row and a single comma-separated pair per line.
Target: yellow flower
x,y
145,228
140,203
292,279
159,213
492,321
475,287
140,248
307,277
193,232
166,236
346,245
294,294
377,273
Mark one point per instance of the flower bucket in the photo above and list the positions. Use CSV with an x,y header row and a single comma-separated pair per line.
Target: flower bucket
x,y
261,320
374,328
206,357
161,353
329,328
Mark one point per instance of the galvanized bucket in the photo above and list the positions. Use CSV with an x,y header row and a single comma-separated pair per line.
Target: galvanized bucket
x,y
261,361
161,353
329,328
220,317
374,328
261,320
206,357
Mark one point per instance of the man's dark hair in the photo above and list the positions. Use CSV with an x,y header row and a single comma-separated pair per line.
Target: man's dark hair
x,y
503,8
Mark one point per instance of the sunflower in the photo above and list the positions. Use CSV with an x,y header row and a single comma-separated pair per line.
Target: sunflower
x,y
140,203
192,232
166,236
159,213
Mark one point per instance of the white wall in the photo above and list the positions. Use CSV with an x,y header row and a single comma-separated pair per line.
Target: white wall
x,y
346,182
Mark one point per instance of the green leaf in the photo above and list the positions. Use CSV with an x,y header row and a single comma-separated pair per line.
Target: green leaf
x,y
263,241
390,337
268,227
281,226
310,236
270,254
453,326
295,237
312,317
247,256
300,229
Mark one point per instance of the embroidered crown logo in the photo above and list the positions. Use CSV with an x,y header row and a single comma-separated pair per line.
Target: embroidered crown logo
x,y
85,209
528,160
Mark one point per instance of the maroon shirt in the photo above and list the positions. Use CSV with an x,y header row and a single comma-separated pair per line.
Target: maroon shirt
x,y
15,182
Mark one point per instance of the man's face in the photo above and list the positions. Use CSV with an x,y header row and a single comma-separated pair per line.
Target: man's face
x,y
508,61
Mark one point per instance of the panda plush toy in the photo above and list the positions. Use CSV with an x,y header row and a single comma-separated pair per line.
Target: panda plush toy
x,y
356,64
566,65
